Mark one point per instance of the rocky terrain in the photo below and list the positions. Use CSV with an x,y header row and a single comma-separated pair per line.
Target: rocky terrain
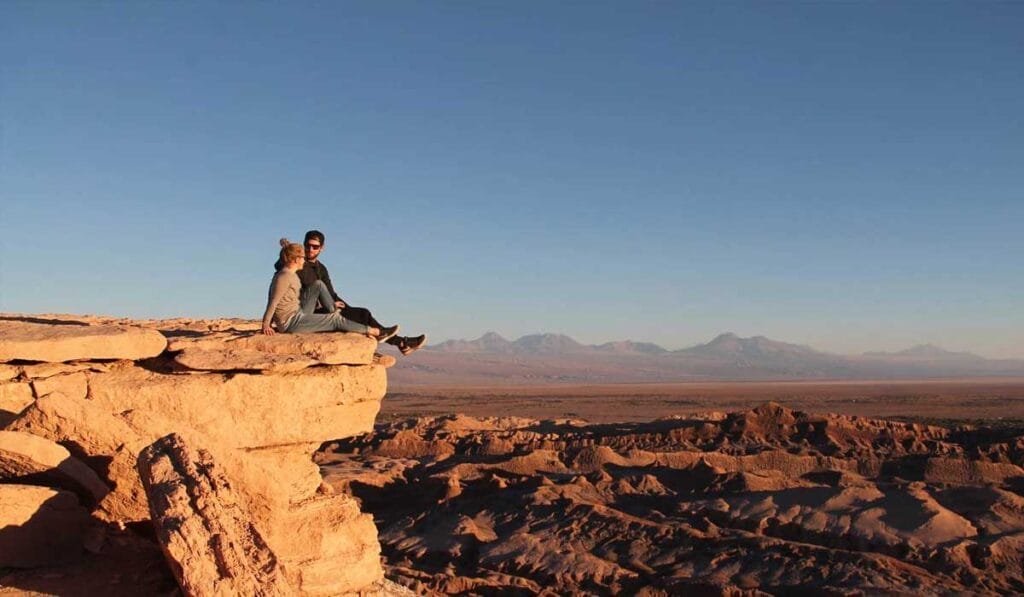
x,y
203,458
149,458
761,501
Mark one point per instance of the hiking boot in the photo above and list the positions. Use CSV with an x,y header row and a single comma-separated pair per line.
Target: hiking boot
x,y
387,333
409,345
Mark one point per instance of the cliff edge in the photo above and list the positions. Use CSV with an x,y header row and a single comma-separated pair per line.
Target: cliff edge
x,y
191,439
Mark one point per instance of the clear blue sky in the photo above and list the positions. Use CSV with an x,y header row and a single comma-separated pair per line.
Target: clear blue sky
x,y
847,175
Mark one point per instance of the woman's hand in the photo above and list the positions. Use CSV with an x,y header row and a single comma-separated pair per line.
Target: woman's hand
x,y
269,331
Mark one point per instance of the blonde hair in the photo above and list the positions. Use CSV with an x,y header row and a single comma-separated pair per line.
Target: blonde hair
x,y
291,251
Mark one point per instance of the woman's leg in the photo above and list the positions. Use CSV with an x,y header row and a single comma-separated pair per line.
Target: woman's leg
x,y
312,294
324,322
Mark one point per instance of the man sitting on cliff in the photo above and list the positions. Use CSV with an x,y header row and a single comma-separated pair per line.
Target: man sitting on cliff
x,y
313,271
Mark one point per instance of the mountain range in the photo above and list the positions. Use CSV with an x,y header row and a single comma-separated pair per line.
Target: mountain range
x,y
544,358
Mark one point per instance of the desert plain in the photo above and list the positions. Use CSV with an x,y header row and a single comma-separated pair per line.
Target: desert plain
x,y
996,400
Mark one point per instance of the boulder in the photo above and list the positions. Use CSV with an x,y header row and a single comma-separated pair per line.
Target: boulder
x,y
39,526
30,459
207,536
56,341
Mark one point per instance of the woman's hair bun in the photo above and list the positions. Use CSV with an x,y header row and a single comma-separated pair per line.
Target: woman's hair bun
x,y
285,242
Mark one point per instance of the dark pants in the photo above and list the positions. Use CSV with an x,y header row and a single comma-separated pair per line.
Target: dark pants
x,y
363,316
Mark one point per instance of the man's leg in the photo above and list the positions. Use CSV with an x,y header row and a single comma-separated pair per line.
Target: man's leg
x,y
363,316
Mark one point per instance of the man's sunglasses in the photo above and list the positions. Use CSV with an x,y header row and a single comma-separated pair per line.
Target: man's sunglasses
x,y
312,246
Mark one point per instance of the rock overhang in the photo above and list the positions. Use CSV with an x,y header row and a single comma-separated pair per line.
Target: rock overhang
x,y
108,388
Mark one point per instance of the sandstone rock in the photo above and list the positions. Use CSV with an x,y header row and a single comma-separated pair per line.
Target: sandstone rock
x,y
328,547
209,540
103,441
182,326
126,502
243,410
83,426
268,478
262,486
259,423
75,385
384,360
44,370
14,398
242,360
55,342
30,459
128,565
39,526
329,349
295,475
8,372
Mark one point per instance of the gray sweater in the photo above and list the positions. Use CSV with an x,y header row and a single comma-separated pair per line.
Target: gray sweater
x,y
283,298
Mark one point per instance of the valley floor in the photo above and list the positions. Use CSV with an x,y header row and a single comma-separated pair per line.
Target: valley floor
x,y
931,400
655,498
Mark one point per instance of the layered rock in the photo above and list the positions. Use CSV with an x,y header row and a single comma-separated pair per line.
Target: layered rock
x,y
60,341
27,458
209,537
94,393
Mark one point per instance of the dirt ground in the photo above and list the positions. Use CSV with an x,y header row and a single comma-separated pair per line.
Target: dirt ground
x,y
987,400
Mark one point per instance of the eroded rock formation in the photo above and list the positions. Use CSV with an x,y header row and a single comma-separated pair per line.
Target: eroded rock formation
x,y
207,534
228,421
765,500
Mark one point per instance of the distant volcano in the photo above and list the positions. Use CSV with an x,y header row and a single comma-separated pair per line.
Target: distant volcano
x,y
557,358
927,351
729,344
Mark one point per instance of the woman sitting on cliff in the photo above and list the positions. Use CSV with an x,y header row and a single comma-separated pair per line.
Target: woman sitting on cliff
x,y
291,316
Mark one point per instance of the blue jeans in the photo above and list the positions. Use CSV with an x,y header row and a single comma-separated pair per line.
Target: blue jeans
x,y
311,294
305,320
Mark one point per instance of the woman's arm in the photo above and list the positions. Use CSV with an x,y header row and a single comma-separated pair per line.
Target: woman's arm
x,y
277,288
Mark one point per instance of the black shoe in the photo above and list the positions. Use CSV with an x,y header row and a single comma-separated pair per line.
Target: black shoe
x,y
387,333
410,345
